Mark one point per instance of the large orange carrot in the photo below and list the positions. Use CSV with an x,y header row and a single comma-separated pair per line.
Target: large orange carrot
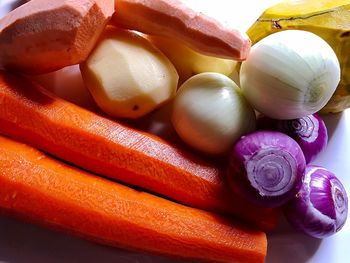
x,y
42,36
41,189
173,18
31,114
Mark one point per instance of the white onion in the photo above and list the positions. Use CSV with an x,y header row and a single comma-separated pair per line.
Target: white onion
x,y
210,113
290,74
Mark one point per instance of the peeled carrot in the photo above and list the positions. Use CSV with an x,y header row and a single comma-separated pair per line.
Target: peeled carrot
x,y
42,36
31,114
41,189
173,18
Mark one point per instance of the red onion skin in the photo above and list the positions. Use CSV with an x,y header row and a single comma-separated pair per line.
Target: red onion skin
x,y
313,210
248,148
311,148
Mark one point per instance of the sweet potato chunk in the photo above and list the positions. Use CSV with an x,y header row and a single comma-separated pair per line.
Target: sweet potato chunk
x,y
42,36
175,19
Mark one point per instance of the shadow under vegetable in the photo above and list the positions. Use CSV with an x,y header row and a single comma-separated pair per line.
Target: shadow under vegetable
x,y
290,246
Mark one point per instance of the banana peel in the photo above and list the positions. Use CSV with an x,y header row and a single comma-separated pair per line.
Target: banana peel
x,y
329,19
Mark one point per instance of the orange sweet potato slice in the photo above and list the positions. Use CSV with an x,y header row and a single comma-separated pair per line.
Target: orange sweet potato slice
x,y
173,18
42,36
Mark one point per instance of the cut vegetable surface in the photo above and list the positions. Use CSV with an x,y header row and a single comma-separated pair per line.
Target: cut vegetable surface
x,y
189,62
42,36
127,76
31,114
40,189
266,167
173,18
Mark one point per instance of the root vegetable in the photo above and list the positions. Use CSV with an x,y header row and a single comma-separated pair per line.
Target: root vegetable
x,y
43,36
40,189
33,115
127,76
173,18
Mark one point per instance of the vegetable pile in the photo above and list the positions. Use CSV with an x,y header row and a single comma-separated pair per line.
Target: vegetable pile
x,y
288,77
243,150
319,18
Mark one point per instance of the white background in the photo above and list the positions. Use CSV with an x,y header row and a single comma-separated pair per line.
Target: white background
x,y
24,243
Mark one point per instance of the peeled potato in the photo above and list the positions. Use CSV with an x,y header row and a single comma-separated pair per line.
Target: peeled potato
x,y
189,62
127,76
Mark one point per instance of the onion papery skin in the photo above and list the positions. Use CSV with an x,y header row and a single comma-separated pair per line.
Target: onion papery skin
x,y
310,132
210,113
321,206
290,74
266,167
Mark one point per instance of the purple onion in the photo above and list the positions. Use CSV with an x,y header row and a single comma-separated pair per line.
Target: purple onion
x,y
321,206
266,167
310,133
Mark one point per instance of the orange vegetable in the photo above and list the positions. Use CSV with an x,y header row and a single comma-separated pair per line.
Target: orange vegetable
x,y
172,18
31,114
38,188
45,35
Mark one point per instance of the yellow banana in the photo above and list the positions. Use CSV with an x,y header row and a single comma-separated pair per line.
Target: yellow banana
x,y
329,19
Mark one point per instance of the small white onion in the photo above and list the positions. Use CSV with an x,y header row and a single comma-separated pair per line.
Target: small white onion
x,y
210,113
290,74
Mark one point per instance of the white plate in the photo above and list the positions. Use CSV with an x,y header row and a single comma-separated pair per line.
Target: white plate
x,y
25,243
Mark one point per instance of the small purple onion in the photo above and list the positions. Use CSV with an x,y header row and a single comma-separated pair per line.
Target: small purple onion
x,y
266,167
309,132
320,208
